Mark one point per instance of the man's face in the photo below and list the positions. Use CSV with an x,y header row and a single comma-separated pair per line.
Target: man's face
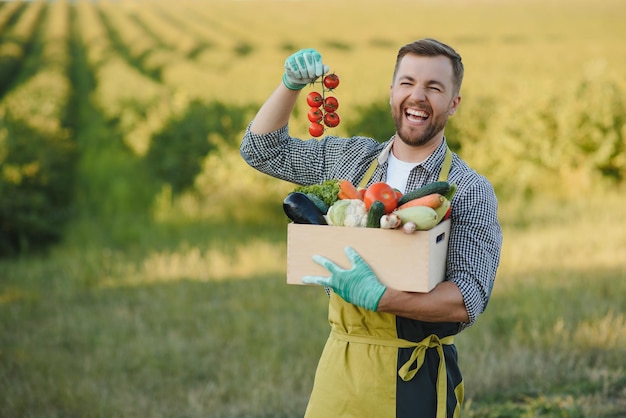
x,y
422,98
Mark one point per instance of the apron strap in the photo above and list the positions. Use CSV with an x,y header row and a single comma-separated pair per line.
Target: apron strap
x,y
418,356
443,175
368,174
405,372
445,167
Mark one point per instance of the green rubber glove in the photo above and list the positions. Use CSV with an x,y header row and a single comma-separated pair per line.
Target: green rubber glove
x,y
302,68
358,285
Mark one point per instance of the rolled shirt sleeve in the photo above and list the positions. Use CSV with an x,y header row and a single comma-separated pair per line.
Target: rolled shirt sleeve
x,y
475,243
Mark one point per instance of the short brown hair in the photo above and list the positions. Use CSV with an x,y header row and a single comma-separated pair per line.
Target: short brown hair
x,y
429,47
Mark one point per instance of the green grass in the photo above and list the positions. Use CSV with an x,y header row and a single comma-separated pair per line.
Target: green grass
x,y
196,322
170,349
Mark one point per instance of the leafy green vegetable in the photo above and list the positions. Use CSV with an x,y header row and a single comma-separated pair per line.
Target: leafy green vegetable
x,y
328,191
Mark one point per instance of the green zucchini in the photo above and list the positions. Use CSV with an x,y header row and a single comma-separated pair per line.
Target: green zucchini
x,y
375,212
321,205
441,187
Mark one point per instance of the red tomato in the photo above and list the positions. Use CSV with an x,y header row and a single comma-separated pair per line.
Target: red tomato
x,y
331,119
314,99
315,114
316,129
331,104
331,81
382,192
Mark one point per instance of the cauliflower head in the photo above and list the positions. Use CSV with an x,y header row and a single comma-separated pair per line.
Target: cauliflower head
x,y
347,212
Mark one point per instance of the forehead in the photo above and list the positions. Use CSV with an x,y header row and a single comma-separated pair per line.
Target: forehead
x,y
418,67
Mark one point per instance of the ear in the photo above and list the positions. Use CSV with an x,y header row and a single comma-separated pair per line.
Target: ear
x,y
454,105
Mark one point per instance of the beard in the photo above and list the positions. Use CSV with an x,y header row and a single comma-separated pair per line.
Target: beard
x,y
418,136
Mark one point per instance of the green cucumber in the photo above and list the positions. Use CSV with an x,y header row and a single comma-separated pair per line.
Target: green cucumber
x,y
375,212
451,192
441,187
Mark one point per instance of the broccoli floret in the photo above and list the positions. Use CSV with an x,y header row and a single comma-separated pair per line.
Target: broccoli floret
x,y
328,191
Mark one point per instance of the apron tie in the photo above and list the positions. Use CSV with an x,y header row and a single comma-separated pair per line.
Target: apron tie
x,y
405,372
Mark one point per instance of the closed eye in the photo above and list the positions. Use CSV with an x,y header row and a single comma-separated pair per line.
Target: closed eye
x,y
436,86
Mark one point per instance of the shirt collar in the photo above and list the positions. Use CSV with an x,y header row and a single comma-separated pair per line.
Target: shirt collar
x,y
384,154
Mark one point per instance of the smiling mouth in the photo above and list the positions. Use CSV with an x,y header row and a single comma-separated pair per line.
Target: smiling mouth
x,y
414,115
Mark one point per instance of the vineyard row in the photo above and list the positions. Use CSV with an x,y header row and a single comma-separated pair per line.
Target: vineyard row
x,y
155,72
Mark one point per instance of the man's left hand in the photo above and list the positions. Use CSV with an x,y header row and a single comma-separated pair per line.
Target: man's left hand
x,y
358,285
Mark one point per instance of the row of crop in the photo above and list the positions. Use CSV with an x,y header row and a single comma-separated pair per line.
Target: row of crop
x,y
161,123
210,32
92,33
571,134
150,37
123,92
173,34
140,104
188,47
55,52
38,158
40,101
7,13
38,152
141,49
15,40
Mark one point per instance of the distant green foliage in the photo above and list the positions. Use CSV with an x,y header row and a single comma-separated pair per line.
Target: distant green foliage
x,y
382,43
598,135
341,46
373,120
569,141
36,186
288,47
243,49
176,153
8,67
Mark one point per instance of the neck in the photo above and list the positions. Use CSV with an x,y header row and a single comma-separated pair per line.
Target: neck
x,y
414,154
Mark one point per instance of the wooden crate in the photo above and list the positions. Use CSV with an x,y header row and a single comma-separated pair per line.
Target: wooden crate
x,y
410,262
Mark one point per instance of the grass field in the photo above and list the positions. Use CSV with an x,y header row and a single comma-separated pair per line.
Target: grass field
x,y
157,304
204,327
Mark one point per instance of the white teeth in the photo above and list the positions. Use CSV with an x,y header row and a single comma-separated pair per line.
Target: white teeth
x,y
417,113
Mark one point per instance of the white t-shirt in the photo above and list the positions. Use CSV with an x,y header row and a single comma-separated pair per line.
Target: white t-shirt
x,y
398,172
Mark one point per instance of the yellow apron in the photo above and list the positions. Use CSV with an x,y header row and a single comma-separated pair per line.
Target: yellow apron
x,y
359,374
376,364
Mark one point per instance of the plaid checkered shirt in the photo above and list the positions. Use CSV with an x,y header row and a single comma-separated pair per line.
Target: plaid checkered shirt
x,y
475,235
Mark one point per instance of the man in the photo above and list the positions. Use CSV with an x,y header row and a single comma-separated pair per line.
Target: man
x,y
390,353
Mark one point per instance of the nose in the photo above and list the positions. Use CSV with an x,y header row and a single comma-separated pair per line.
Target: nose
x,y
418,93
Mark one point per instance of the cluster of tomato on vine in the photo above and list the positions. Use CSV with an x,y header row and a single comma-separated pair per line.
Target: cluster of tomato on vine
x,y
323,108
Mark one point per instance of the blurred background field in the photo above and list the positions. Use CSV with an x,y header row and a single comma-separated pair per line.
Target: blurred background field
x,y
142,263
